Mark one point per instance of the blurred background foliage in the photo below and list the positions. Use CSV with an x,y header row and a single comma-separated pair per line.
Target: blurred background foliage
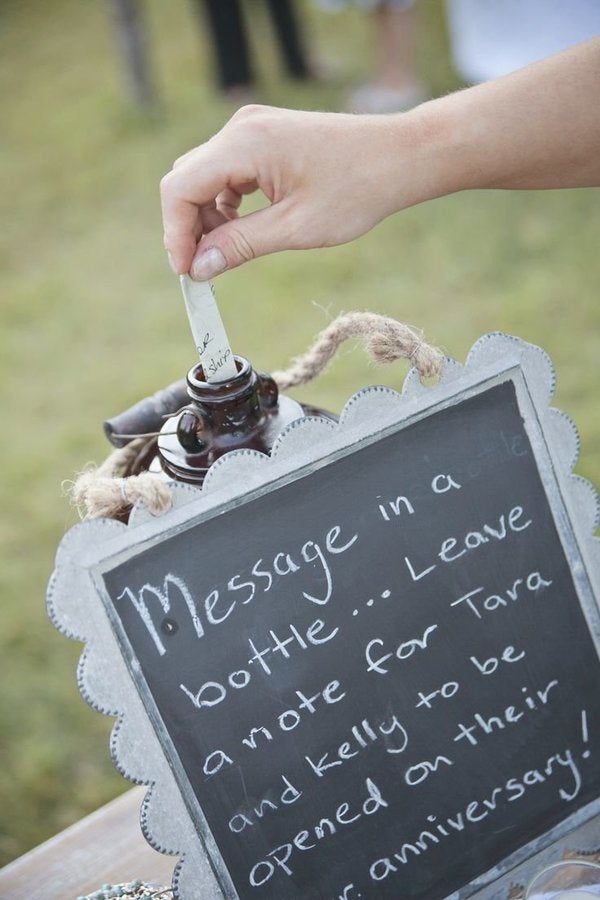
x,y
92,318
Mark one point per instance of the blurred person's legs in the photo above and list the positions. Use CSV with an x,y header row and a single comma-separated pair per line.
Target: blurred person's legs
x,y
232,56
289,35
231,45
395,85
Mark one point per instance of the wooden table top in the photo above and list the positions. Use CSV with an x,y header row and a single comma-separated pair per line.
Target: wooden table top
x,y
105,847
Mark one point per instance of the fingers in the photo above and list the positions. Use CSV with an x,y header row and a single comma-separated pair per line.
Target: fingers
x,y
228,203
204,190
210,218
240,240
188,220
181,231
189,195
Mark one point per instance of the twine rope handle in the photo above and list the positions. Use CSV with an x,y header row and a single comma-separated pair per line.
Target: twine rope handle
x,y
385,340
107,491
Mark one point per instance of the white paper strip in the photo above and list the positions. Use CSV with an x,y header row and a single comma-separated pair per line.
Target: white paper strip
x,y
211,341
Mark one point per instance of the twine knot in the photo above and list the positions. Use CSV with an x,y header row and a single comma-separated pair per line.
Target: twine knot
x,y
106,490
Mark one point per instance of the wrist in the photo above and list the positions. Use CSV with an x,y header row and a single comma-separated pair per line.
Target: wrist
x,y
427,156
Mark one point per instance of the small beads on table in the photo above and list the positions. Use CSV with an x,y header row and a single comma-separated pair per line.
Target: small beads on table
x,y
132,890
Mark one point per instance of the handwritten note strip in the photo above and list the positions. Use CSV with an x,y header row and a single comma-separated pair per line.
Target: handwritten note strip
x,y
378,678
218,362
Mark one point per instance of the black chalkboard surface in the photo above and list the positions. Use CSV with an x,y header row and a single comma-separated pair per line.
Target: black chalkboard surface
x,y
375,679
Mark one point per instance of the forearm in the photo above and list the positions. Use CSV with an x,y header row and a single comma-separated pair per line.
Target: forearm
x,y
331,177
536,128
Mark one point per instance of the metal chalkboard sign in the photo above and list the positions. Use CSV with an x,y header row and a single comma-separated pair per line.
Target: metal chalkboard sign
x,y
366,666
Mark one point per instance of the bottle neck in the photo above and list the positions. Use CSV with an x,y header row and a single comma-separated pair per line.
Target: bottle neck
x,y
240,412
227,406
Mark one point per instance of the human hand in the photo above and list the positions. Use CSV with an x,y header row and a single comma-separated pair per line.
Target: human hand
x,y
327,177
330,177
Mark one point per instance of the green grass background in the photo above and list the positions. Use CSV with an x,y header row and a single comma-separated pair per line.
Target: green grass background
x,y
92,319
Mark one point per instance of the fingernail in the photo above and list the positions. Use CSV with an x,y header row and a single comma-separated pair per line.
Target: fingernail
x,y
208,264
171,262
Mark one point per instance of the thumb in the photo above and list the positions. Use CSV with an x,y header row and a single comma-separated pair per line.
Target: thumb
x,y
236,242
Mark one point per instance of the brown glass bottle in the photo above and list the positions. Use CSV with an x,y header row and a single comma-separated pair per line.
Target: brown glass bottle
x,y
246,411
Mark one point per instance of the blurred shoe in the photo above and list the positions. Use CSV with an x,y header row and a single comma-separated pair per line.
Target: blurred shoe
x,y
240,94
376,98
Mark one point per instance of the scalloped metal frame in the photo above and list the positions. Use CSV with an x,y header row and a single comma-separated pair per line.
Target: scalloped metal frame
x,y
104,674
